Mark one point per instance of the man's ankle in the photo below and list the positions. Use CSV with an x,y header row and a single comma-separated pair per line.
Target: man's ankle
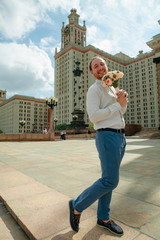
x,y
106,220
76,212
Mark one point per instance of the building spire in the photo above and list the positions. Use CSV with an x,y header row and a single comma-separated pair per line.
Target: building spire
x,y
73,17
73,33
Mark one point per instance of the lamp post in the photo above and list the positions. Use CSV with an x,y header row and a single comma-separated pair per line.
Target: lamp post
x,y
55,120
22,123
51,103
78,114
75,117
77,73
41,124
33,124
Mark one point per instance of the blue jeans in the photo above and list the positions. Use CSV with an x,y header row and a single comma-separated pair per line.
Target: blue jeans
x,y
111,148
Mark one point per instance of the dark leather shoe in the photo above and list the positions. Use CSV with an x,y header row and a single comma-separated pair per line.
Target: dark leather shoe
x,y
74,218
111,226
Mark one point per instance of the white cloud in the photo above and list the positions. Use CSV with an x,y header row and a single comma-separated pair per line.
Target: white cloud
x,y
17,17
94,38
122,25
25,69
49,44
63,4
91,33
112,26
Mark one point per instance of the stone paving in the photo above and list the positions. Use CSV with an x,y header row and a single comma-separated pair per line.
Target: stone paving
x,y
9,229
38,178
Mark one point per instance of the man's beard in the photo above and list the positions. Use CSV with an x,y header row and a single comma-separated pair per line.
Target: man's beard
x,y
100,76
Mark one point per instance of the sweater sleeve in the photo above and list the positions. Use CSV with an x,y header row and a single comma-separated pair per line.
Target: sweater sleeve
x,y
93,107
124,109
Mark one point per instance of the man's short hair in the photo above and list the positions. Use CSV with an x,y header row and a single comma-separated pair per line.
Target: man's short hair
x,y
90,65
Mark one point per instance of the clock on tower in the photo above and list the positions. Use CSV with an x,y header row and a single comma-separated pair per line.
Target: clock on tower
x,y
66,30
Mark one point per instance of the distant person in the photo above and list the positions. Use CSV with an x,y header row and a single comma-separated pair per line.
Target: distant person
x,y
61,134
64,135
45,131
105,108
89,134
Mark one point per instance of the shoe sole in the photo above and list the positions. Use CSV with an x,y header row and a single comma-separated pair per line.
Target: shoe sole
x,y
117,234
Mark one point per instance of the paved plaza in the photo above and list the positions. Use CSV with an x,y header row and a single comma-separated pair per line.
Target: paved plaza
x,y
37,179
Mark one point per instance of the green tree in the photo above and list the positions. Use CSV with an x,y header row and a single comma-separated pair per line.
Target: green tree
x,y
62,126
91,126
1,131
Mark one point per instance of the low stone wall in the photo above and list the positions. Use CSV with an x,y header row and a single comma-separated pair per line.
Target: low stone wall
x,y
130,130
74,131
26,137
40,137
74,136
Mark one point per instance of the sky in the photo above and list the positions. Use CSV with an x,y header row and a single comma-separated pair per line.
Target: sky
x,y
30,30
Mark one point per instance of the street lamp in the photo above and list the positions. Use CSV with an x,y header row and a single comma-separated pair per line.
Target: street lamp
x,y
55,120
33,124
41,124
75,117
22,123
51,103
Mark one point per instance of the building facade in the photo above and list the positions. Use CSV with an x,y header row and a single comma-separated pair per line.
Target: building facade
x,y
32,110
141,76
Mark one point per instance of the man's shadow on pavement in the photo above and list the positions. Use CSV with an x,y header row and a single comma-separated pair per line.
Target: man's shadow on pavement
x,y
94,234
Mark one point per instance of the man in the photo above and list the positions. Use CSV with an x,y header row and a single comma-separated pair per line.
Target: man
x,y
105,108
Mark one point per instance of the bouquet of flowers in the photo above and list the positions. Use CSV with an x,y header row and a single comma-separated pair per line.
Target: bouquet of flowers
x,y
111,78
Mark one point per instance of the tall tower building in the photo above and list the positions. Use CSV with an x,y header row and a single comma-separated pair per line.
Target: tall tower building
x,y
141,76
68,89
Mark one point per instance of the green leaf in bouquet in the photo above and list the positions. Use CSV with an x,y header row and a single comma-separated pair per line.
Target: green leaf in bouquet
x,y
114,75
115,84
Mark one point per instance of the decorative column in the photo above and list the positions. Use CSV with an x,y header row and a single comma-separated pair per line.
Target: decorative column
x,y
55,120
51,103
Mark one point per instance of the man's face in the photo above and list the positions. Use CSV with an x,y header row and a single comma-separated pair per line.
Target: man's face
x,y
99,68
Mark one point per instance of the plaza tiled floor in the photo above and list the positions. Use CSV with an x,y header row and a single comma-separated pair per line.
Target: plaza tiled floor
x,y
38,178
